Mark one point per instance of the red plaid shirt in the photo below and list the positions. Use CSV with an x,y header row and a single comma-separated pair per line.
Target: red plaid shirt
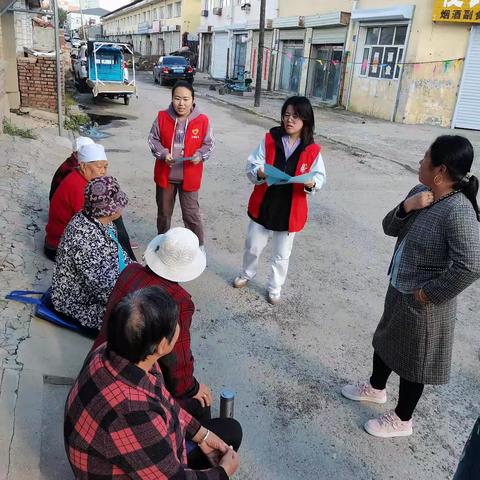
x,y
177,367
122,423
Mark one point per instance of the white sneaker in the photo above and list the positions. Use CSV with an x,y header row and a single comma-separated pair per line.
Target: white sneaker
x,y
389,425
240,282
364,392
273,298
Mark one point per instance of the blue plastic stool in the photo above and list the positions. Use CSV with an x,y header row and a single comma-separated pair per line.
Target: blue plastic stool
x,y
43,307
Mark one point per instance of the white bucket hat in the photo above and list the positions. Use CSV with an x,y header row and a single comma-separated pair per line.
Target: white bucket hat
x,y
81,142
176,255
92,153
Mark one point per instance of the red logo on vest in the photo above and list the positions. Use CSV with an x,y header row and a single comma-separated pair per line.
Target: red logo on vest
x,y
303,168
195,133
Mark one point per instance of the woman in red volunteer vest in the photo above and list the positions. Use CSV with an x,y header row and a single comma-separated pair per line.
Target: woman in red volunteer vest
x,y
281,210
180,132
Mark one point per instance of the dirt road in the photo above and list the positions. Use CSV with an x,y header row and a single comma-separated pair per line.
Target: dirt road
x,y
288,363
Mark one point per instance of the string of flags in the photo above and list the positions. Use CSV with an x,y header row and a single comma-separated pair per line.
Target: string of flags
x,y
444,65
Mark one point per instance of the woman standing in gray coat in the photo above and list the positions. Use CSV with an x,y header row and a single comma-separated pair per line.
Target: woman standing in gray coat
x,y
437,256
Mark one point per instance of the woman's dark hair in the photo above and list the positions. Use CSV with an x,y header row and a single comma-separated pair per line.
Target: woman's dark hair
x,y
303,108
184,84
456,153
139,322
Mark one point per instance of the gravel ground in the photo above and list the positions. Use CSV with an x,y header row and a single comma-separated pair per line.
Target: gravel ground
x,y
287,363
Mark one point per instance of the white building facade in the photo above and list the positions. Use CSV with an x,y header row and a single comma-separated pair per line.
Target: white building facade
x,y
229,37
154,27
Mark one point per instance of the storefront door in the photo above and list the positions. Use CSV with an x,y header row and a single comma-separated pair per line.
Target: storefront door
x,y
240,57
292,61
207,52
325,72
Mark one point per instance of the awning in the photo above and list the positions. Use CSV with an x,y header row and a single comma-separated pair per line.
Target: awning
x,y
383,14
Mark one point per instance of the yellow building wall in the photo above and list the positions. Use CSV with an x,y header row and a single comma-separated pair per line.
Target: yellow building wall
x,y
428,90
289,8
190,16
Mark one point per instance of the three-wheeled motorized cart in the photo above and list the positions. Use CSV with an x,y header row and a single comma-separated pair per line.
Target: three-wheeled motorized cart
x,y
107,70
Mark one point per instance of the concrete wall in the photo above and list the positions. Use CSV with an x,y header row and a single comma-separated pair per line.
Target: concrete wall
x,y
23,28
428,91
4,106
38,83
10,58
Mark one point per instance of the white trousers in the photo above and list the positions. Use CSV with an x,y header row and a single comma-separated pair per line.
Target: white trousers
x,y
257,239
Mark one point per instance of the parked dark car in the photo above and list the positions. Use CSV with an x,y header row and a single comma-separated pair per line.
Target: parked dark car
x,y
172,68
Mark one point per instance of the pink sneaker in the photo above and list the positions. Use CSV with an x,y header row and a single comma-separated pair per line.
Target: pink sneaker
x,y
364,392
389,425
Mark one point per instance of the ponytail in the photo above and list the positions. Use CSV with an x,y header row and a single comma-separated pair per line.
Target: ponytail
x,y
469,187
456,153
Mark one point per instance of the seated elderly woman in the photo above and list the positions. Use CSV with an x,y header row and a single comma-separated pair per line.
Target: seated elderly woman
x,y
90,257
88,161
121,421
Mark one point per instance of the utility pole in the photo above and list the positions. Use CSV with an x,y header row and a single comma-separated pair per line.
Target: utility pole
x,y
58,57
261,42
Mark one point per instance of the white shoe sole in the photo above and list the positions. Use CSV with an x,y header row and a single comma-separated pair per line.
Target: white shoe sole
x,y
356,398
405,433
240,285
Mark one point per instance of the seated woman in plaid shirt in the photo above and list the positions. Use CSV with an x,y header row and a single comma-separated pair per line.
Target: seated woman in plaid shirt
x,y
170,258
120,420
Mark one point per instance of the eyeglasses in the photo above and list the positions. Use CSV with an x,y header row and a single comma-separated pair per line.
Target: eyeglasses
x,y
293,117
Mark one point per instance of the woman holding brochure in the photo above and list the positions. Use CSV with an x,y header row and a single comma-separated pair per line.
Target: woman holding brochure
x,y
180,139
278,205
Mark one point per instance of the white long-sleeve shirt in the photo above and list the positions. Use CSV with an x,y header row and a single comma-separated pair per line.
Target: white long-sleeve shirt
x,y
257,159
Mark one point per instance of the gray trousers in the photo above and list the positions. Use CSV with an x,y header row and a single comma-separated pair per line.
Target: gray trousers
x,y
190,209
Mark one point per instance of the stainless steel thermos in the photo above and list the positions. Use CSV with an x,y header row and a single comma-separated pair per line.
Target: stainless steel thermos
x,y
227,398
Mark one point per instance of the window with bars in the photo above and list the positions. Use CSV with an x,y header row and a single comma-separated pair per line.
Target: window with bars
x,y
383,52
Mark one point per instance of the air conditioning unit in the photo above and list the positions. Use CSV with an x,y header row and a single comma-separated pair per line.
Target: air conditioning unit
x,y
217,11
204,13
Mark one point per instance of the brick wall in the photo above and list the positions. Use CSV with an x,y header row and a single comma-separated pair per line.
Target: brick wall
x,y
38,84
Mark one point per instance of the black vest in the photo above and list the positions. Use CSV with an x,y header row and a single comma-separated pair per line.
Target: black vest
x,y
275,209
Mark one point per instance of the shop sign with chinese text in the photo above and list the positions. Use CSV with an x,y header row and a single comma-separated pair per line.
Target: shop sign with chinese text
x,y
456,11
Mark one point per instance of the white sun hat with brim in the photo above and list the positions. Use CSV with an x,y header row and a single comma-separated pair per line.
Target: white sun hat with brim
x,y
81,142
176,255
92,153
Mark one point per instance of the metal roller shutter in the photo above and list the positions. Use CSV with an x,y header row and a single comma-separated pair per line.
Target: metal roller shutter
x,y
295,34
468,104
324,36
220,47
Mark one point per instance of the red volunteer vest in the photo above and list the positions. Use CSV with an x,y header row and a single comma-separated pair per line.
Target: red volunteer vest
x,y
299,209
195,133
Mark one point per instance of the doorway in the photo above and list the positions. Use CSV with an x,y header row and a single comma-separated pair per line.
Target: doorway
x,y
325,72
292,61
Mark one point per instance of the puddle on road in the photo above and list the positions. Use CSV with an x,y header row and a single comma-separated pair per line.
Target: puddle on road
x,y
103,120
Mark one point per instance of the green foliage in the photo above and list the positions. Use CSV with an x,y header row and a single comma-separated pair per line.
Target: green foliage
x,y
62,17
69,100
10,129
74,122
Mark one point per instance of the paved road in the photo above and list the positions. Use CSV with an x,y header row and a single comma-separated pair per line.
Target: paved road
x,y
288,363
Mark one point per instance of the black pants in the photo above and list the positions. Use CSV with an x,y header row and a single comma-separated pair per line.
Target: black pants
x,y
195,409
228,429
409,394
123,239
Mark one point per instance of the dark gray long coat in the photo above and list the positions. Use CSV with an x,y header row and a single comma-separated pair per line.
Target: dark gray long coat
x,y
442,256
